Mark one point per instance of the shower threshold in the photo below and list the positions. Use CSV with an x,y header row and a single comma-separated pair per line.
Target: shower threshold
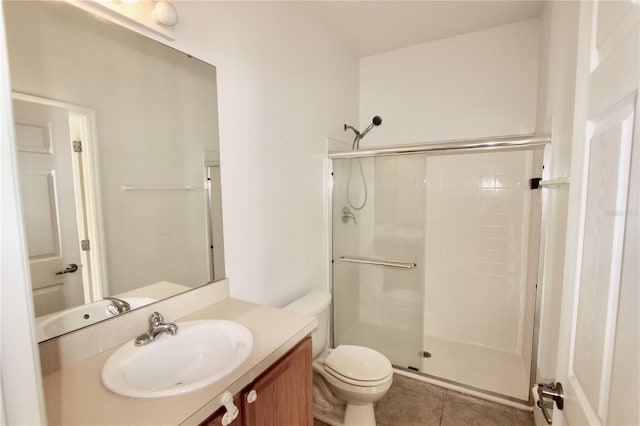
x,y
464,388
478,367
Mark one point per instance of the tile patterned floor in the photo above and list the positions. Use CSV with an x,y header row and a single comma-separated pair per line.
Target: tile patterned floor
x,y
415,403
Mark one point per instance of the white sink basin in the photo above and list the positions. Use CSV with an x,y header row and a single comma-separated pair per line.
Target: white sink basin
x,y
201,353
71,319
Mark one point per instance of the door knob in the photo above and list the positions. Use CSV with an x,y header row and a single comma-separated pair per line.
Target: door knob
x,y
70,269
551,391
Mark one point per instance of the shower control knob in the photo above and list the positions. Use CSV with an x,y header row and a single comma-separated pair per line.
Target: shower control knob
x,y
252,396
346,214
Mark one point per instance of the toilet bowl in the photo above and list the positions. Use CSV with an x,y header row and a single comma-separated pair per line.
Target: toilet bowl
x,y
348,380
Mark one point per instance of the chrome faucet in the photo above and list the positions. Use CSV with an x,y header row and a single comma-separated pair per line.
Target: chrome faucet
x,y
346,214
156,328
117,306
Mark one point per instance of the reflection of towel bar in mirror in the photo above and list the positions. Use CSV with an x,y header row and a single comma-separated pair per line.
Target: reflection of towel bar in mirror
x,y
379,262
163,188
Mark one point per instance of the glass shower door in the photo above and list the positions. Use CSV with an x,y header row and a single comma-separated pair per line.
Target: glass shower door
x,y
378,218
482,231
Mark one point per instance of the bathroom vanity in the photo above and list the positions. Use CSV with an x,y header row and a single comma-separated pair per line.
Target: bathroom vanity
x,y
280,396
273,386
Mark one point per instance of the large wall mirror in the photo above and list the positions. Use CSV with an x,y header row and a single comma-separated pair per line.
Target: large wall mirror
x,y
117,139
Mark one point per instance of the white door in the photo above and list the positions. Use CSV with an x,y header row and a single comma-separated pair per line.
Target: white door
x,y
599,357
47,188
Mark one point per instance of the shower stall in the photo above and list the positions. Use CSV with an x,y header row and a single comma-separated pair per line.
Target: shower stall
x,y
437,267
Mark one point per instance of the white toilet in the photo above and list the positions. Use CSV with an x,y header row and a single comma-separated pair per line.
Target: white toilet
x,y
347,380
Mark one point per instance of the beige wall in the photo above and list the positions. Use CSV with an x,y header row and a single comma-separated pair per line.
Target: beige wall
x,y
285,83
469,86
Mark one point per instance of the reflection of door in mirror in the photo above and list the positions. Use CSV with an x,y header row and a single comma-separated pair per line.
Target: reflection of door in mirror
x,y
49,154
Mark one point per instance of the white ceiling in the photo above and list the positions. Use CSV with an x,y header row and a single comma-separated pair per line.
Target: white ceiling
x,y
372,27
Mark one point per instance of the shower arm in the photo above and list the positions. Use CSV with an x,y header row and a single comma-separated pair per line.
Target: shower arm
x,y
356,140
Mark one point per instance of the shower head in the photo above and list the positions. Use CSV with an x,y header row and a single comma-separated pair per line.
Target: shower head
x,y
375,122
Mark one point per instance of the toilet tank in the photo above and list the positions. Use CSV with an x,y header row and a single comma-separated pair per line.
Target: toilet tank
x,y
317,304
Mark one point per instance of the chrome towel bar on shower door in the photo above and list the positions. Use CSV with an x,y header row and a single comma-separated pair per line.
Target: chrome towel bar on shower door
x,y
163,188
380,262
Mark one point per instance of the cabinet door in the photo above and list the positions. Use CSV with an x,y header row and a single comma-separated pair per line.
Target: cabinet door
x,y
282,396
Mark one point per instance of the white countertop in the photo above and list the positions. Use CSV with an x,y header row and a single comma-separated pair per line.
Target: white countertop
x,y
75,395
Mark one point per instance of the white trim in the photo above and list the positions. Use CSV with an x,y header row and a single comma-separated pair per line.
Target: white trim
x,y
464,390
76,128
575,222
594,56
582,218
93,205
19,355
617,33
583,401
624,172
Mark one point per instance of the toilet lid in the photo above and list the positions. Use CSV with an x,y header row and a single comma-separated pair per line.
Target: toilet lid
x,y
358,363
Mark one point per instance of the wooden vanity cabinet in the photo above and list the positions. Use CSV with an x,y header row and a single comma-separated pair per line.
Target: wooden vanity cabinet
x,y
281,396
282,393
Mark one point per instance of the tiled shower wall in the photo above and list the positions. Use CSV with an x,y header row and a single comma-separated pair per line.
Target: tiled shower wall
x,y
465,220
478,271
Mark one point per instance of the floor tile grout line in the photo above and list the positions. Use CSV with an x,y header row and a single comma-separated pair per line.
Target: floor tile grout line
x,y
444,401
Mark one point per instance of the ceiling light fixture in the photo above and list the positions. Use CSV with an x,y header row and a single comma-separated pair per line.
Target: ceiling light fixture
x,y
166,13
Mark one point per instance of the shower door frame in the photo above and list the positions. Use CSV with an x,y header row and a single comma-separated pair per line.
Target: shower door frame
x,y
502,143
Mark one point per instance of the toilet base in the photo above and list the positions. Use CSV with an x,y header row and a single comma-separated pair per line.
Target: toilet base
x,y
327,418
350,415
361,415
330,410
326,407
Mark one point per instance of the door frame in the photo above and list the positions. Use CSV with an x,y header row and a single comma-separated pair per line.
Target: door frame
x,y
88,200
